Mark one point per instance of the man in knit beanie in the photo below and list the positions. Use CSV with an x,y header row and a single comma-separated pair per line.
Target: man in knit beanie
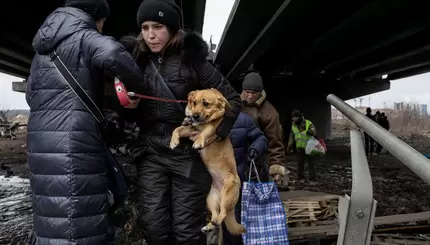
x,y
266,117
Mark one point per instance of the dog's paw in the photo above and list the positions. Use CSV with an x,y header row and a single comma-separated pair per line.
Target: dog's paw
x,y
198,144
208,228
173,143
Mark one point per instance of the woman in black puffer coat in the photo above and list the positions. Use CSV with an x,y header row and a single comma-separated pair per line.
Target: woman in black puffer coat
x,y
66,150
173,184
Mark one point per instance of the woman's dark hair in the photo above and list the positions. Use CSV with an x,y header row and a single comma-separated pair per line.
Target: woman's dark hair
x,y
141,47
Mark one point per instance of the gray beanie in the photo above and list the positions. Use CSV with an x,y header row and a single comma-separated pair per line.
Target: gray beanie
x,y
253,81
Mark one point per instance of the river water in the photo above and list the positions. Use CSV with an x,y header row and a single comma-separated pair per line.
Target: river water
x,y
15,210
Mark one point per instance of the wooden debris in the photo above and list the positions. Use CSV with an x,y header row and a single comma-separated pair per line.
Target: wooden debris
x,y
392,239
307,212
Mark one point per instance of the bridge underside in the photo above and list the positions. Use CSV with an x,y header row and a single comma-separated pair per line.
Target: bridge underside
x,y
340,44
19,27
308,49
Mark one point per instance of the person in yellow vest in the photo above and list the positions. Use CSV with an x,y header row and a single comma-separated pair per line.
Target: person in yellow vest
x,y
301,130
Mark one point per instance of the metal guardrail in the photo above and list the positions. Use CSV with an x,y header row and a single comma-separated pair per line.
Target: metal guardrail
x,y
414,160
356,214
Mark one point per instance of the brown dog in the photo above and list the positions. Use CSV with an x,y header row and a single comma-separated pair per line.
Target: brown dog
x,y
204,111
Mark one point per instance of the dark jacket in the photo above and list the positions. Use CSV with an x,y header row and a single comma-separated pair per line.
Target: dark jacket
x,y
245,135
183,69
383,122
266,117
177,175
66,151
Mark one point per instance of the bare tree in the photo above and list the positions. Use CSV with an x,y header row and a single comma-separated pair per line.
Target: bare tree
x,y
4,116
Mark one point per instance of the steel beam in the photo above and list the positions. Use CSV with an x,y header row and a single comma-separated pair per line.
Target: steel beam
x,y
409,73
13,72
16,55
397,51
353,89
247,18
414,160
410,62
14,63
378,24
261,43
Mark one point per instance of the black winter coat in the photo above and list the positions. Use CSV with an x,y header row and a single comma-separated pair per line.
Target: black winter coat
x,y
66,150
183,69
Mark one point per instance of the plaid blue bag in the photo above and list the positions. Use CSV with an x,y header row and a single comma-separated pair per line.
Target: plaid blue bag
x,y
263,213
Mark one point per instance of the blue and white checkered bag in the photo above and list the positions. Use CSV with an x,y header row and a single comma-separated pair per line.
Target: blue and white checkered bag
x,y
263,213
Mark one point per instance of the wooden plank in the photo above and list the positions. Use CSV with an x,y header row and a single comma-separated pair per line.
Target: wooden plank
x,y
332,229
379,239
402,218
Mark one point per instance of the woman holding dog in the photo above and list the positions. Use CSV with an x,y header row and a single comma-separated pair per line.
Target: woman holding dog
x,y
173,184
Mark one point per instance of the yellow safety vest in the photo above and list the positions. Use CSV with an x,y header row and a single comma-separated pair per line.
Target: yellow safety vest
x,y
301,138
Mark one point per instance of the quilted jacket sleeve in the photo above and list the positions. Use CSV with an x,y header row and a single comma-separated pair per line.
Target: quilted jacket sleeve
x,y
256,137
111,55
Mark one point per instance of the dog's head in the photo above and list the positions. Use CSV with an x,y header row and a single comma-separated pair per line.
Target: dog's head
x,y
206,105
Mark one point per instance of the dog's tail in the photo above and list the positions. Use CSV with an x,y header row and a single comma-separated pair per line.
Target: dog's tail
x,y
232,225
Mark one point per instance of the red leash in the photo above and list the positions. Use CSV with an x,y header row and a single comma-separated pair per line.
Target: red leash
x,y
124,95
133,94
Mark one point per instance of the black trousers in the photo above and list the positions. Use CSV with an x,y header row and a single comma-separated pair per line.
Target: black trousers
x,y
172,207
301,158
369,144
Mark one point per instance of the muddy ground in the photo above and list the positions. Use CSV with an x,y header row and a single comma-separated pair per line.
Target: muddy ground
x,y
396,188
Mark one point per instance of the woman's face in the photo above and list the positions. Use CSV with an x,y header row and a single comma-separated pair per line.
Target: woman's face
x,y
156,35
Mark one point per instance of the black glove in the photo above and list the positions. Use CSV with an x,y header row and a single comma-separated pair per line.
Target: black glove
x,y
252,155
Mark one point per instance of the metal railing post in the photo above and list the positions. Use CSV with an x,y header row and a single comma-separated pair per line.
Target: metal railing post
x,y
414,160
358,212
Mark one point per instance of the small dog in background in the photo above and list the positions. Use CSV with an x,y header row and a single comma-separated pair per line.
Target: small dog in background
x,y
204,113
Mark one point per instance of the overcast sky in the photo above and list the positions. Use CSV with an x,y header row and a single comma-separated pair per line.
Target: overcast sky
x,y
413,89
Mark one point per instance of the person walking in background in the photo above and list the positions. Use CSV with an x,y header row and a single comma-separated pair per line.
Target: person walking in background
x,y
369,142
383,122
301,131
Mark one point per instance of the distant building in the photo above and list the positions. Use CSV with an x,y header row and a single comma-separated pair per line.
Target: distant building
x,y
421,109
399,106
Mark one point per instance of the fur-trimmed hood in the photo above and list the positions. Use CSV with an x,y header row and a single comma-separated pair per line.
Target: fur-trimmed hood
x,y
192,47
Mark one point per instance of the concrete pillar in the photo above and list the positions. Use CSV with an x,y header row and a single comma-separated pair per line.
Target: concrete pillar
x,y
20,87
305,97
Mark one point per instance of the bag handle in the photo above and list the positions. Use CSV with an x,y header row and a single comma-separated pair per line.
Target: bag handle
x,y
76,87
253,166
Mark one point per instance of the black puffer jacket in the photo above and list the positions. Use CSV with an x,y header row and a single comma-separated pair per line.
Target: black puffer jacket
x,y
66,151
184,69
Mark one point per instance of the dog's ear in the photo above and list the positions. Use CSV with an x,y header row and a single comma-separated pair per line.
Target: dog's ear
x,y
191,96
224,102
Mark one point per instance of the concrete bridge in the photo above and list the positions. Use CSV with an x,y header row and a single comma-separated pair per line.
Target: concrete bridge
x,y
303,49
307,49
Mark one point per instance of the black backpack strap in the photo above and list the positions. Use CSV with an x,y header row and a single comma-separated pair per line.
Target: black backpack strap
x,y
76,88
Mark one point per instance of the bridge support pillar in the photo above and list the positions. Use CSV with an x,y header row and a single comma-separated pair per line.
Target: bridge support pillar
x,y
315,108
19,86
